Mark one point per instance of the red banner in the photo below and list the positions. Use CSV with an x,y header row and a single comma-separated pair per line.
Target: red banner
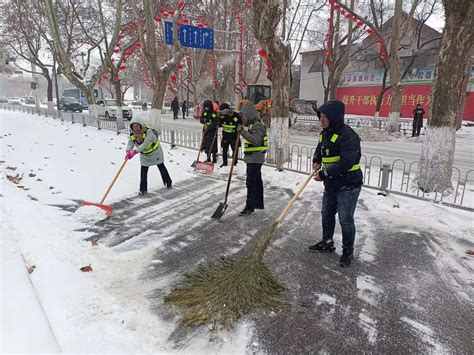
x,y
362,100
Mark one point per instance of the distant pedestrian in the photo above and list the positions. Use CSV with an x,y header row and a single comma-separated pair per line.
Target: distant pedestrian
x,y
175,108
184,108
418,113
144,140
210,120
255,147
337,155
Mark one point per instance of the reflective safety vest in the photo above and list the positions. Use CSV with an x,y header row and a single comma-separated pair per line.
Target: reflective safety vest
x,y
208,120
249,148
151,147
229,124
327,153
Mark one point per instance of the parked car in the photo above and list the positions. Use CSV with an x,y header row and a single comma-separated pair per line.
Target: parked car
x,y
3,100
29,100
107,108
70,104
14,101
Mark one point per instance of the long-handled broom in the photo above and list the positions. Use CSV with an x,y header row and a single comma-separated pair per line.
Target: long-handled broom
x,y
221,292
193,165
219,212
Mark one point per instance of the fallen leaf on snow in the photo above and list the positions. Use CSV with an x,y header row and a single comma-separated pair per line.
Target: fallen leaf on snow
x,y
94,242
2,161
38,179
470,251
31,269
87,268
396,205
112,163
31,175
51,187
15,179
46,157
32,198
11,168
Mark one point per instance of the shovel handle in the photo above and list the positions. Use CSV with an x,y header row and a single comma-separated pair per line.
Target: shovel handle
x,y
295,196
234,156
200,144
113,181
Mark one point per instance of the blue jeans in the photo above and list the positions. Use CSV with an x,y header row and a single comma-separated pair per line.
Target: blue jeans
x,y
344,204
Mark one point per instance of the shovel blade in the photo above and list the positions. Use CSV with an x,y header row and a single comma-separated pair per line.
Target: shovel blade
x,y
219,212
204,167
106,208
193,165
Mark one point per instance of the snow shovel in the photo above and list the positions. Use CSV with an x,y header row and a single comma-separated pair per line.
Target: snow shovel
x,y
219,212
107,208
193,165
206,167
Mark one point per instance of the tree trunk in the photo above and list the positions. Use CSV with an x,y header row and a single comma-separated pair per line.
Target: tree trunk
x,y
267,15
395,80
466,80
119,98
378,107
436,160
156,106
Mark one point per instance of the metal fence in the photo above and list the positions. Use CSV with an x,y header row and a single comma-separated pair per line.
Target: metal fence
x,y
405,125
397,177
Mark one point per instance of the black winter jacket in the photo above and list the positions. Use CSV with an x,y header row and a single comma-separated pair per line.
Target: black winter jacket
x,y
346,145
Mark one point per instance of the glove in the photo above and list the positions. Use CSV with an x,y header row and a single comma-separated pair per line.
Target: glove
x,y
240,128
130,154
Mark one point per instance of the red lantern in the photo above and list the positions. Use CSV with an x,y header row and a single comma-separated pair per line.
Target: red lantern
x,y
359,23
343,12
157,19
337,6
262,53
162,11
120,36
379,42
200,25
328,62
180,4
127,53
382,55
180,66
112,59
122,67
185,21
173,78
124,60
171,12
331,1
328,35
116,50
328,53
329,19
138,45
106,77
370,31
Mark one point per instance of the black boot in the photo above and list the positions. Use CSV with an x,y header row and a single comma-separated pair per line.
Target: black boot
x,y
246,211
214,158
223,164
322,246
346,258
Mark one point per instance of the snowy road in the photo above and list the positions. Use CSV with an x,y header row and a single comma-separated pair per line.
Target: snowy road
x,y
388,151
410,288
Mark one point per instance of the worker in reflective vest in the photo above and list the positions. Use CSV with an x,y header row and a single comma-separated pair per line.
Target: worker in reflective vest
x,y
144,140
336,159
255,143
229,121
210,120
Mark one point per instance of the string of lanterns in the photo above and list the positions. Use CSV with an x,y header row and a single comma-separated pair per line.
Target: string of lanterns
x,y
336,7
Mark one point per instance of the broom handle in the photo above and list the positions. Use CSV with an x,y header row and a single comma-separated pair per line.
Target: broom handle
x,y
293,199
113,181
234,156
200,144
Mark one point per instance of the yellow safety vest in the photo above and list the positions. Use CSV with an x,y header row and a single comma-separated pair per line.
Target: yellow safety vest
x,y
327,158
208,121
229,125
151,147
249,148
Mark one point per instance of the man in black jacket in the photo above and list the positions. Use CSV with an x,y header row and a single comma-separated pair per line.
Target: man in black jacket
x,y
229,121
337,158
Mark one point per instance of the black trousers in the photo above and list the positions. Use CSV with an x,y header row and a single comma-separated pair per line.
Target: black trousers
x,y
226,143
417,124
184,114
144,176
254,186
175,115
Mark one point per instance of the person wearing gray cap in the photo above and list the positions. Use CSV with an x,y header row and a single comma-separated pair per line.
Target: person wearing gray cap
x,y
255,147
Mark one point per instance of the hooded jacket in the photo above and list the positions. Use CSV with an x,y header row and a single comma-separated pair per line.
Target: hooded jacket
x,y
255,134
229,120
338,140
153,158
210,120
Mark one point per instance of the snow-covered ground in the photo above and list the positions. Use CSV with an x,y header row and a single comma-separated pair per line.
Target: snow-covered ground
x,y
48,167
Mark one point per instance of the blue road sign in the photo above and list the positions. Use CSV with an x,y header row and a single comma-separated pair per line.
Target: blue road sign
x,y
191,36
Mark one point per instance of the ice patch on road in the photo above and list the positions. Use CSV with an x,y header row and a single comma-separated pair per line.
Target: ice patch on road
x,y
369,326
89,214
368,290
427,335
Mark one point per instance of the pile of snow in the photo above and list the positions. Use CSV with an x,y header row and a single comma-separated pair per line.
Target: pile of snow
x,y
89,214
